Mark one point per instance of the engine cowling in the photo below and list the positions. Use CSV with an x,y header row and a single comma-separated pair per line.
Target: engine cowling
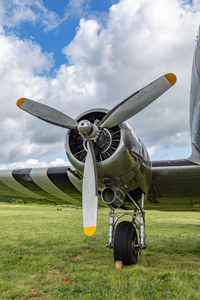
x,y
116,151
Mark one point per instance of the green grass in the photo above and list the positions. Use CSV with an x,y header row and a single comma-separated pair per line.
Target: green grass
x,y
45,255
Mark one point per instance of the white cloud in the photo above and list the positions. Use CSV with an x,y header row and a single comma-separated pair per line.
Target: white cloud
x,y
151,150
15,12
76,7
33,163
139,42
20,61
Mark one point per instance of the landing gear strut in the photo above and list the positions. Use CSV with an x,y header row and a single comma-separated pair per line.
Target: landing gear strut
x,y
123,239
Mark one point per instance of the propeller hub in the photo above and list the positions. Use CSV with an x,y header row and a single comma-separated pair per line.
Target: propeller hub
x,y
85,127
88,131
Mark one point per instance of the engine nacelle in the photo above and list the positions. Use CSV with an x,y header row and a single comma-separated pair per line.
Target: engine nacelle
x,y
117,151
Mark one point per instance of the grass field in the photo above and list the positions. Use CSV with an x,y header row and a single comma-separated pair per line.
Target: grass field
x,y
45,255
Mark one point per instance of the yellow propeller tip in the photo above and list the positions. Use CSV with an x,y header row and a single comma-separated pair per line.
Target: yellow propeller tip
x,y
171,78
20,101
90,231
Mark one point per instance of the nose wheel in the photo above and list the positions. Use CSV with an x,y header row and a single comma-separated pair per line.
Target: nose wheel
x,y
125,246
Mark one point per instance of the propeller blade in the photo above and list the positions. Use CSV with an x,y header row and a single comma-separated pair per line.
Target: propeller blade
x,y
90,192
138,101
46,113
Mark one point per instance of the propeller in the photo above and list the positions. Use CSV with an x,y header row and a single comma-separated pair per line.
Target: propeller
x,y
90,133
90,192
46,113
138,101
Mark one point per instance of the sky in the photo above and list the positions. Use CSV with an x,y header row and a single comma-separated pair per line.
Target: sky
x,y
81,54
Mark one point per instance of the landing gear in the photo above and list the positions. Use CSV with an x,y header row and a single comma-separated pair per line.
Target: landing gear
x,y
124,239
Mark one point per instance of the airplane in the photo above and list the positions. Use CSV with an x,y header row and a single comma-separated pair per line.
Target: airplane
x,y
110,162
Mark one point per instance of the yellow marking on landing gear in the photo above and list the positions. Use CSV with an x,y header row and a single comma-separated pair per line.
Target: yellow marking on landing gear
x,y
118,264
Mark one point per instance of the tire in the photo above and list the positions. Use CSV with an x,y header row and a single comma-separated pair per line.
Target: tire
x,y
125,239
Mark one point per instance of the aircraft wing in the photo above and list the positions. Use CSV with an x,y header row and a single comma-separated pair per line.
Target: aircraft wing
x,y
57,184
175,178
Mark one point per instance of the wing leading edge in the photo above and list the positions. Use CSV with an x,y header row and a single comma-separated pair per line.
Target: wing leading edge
x,y
175,179
57,184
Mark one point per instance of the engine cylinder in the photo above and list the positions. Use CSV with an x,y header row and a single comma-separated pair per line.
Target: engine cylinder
x,y
112,197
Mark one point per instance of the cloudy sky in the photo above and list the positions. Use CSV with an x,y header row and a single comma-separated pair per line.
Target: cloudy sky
x,y
80,54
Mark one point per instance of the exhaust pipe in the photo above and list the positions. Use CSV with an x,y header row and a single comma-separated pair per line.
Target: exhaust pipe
x,y
112,197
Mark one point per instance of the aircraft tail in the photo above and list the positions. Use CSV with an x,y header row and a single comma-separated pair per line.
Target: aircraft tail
x,y
195,105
